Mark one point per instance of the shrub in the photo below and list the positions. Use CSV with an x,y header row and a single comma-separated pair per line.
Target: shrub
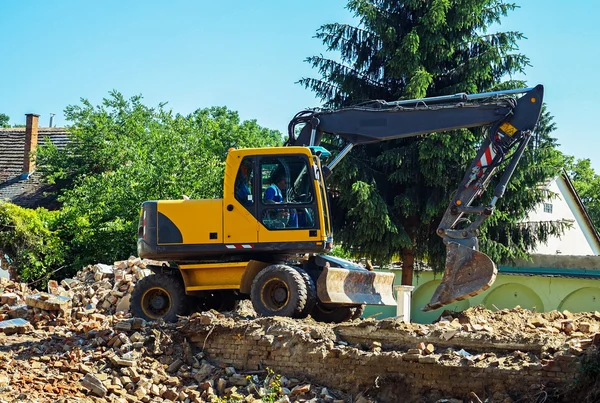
x,y
29,247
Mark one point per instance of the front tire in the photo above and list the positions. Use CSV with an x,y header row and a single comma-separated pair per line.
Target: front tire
x,y
311,295
159,296
278,290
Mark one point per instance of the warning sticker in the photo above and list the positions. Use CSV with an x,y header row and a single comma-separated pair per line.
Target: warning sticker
x,y
508,128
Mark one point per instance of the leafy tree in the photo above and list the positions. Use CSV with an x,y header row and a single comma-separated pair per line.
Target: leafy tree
x,y
391,195
29,242
123,153
587,184
4,119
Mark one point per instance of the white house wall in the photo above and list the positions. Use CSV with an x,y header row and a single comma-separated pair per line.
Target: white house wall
x,y
575,241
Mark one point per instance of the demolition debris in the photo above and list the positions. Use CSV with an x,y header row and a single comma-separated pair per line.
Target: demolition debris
x,y
78,342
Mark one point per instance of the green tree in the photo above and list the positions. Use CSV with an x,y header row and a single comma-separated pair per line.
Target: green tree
x,y
123,153
587,184
28,243
391,195
4,119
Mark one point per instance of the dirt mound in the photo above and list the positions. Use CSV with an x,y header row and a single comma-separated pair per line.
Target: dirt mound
x,y
553,329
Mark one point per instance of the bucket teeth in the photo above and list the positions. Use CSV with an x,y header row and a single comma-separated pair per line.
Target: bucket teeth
x,y
468,272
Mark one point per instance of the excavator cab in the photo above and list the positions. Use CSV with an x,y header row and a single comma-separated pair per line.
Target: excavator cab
x,y
274,203
286,203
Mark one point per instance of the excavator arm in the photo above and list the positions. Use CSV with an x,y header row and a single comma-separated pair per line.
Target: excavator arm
x,y
510,121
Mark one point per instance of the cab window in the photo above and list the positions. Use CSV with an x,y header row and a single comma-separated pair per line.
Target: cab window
x,y
287,193
243,183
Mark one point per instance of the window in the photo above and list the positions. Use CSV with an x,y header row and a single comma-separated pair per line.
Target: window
x,y
243,183
286,180
287,193
280,218
547,207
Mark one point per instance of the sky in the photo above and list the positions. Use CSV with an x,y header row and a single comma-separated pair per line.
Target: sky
x,y
249,55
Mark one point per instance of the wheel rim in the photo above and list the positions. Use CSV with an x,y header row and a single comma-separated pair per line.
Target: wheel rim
x,y
275,294
156,302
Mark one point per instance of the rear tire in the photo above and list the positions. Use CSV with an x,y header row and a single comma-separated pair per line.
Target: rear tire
x,y
335,314
311,295
278,290
159,296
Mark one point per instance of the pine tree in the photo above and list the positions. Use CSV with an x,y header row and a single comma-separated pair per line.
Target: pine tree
x,y
388,197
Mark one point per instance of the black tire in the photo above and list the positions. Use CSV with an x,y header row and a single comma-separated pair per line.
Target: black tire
x,y
159,296
311,295
278,290
334,314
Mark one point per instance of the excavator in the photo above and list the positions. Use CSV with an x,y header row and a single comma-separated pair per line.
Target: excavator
x,y
267,239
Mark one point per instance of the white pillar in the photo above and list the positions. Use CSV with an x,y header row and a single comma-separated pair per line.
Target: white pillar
x,y
403,298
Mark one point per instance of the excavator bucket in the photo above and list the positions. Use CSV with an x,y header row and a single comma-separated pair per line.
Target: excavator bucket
x,y
468,272
337,285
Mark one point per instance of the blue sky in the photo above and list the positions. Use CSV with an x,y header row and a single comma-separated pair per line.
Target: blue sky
x,y
248,55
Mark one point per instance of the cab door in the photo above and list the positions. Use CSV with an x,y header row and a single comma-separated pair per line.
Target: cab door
x,y
240,227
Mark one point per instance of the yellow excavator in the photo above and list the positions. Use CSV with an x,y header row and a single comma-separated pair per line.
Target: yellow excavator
x,y
267,239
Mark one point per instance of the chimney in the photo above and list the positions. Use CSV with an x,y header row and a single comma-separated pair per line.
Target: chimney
x,y
52,119
31,140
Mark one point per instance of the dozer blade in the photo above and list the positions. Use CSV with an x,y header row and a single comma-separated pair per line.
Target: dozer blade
x,y
343,286
468,272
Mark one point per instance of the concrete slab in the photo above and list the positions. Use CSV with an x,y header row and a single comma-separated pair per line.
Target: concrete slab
x,y
48,302
13,326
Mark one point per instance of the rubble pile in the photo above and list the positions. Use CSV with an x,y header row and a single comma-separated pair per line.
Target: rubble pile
x,y
78,342
102,287
129,361
95,291
554,331
476,337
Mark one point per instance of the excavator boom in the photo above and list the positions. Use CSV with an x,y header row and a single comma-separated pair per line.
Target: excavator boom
x,y
510,121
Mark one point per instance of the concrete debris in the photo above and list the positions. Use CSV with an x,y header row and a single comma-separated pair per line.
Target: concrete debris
x,y
48,302
13,326
94,385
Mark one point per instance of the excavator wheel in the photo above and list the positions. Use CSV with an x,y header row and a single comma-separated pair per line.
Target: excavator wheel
x,y
311,295
159,296
335,314
278,290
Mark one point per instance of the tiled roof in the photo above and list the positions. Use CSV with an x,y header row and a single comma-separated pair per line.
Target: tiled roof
x,y
15,187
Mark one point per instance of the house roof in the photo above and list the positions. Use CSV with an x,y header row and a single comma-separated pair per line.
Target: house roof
x,y
25,190
593,230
